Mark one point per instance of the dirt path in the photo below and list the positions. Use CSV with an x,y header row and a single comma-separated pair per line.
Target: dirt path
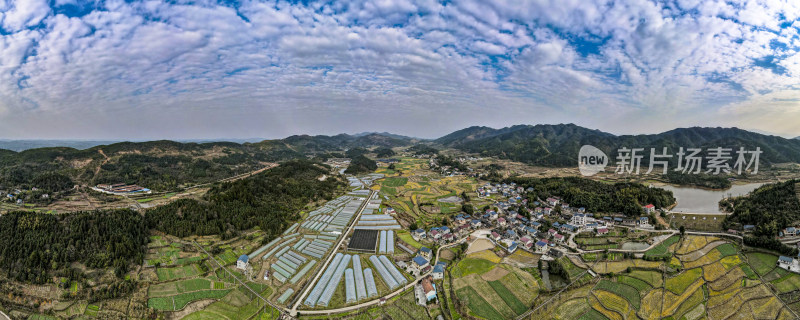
x,y
105,160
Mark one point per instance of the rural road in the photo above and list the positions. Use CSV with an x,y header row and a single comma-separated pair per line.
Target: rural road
x,y
3,316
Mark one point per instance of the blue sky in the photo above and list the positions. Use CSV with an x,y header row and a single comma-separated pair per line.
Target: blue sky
x,y
213,69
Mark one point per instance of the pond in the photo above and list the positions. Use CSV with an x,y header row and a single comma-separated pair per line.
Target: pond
x,y
635,246
696,200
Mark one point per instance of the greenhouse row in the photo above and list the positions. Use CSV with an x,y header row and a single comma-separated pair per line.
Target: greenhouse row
x,y
386,274
270,244
324,289
287,264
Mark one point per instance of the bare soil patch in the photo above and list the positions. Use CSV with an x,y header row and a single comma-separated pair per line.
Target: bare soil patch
x,y
494,274
479,245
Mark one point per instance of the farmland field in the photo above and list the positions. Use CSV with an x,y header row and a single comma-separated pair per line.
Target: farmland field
x,y
683,280
625,291
762,262
469,266
478,305
180,300
509,298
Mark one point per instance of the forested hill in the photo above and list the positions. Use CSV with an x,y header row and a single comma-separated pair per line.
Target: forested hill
x,y
558,145
34,244
596,196
167,165
270,200
770,208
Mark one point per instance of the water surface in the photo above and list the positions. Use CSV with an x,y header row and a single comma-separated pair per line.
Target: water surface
x,y
696,200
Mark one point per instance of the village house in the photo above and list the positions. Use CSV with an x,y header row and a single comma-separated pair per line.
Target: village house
x,y
418,234
602,231
541,246
476,223
552,232
512,247
243,262
425,252
435,235
650,208
511,234
644,222
501,222
438,270
448,237
429,289
578,219
559,237
495,236
418,264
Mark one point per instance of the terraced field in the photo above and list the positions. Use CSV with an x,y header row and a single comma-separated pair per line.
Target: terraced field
x,y
717,282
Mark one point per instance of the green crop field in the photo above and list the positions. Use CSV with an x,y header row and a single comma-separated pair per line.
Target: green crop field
x,y
762,263
477,304
472,265
726,250
679,283
167,274
193,285
395,182
662,249
640,285
629,293
508,297
593,314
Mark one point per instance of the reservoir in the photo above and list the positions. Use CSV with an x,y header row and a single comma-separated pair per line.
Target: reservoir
x,y
696,200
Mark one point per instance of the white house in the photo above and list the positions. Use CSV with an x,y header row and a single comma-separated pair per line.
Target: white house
x,y
243,262
578,219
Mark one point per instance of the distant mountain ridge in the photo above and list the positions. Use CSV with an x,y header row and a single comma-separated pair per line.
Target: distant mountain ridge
x,y
558,145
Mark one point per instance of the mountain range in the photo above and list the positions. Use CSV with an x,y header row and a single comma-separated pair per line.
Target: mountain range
x,y
558,145
168,164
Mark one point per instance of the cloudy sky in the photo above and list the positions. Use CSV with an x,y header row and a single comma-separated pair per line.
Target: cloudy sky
x,y
209,69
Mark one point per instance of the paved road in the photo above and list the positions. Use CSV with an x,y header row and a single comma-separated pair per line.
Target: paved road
x,y
311,284
3,316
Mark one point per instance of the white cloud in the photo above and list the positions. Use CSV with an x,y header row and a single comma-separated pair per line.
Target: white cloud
x,y
459,62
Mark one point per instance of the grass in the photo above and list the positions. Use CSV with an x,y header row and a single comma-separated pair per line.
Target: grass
x,y
762,263
470,265
679,283
406,237
478,305
508,297
629,293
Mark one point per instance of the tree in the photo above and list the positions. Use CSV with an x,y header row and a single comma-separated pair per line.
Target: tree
x,y
413,226
682,230
445,221
467,208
